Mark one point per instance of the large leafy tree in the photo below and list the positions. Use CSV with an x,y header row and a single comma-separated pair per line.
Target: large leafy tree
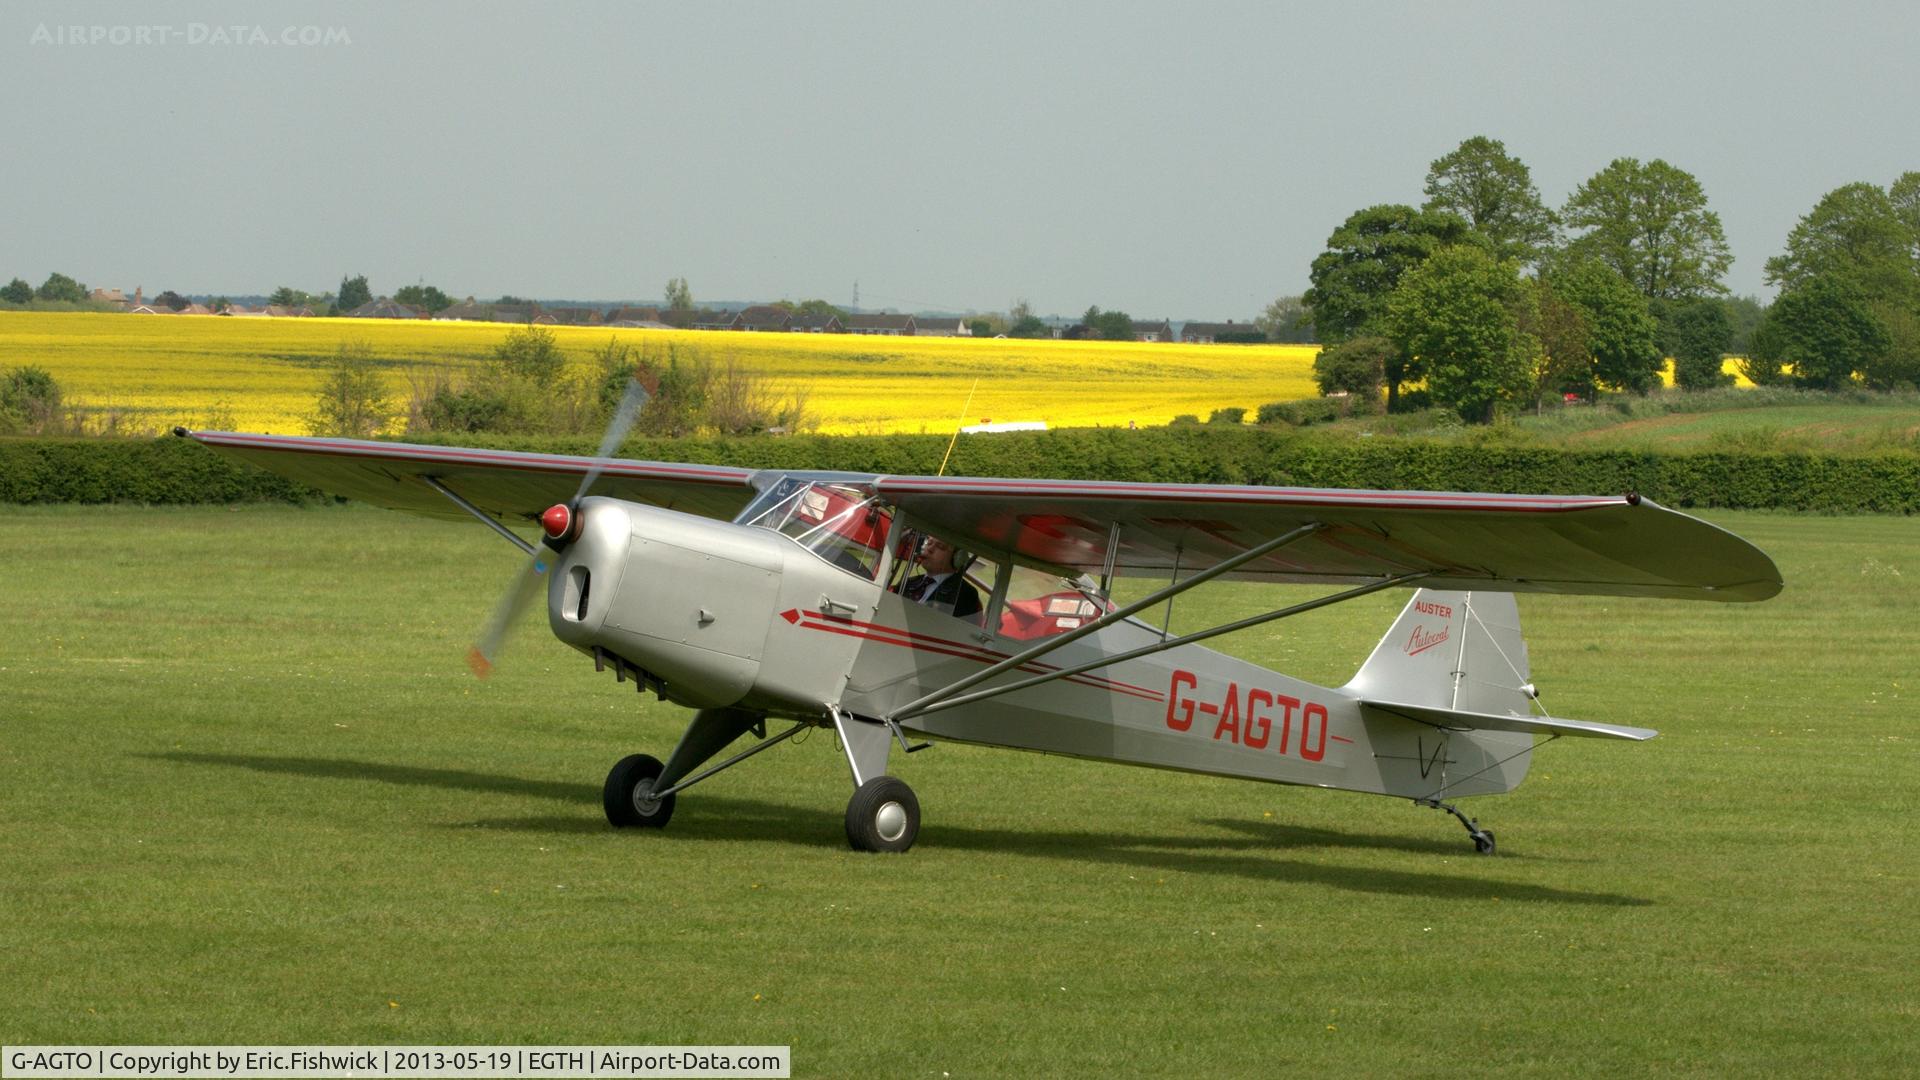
x,y
1825,330
1286,319
1558,326
354,292
1856,232
426,297
1460,313
1699,332
1622,337
1494,191
1650,223
1365,259
16,291
679,297
59,286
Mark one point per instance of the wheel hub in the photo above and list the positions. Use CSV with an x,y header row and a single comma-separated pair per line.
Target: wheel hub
x,y
890,821
643,801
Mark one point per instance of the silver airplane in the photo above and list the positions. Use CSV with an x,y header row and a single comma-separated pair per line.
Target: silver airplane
x,y
900,608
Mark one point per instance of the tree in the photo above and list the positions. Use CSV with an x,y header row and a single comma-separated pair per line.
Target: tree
x,y
530,352
1364,261
60,287
287,296
1286,319
1019,312
679,296
1700,332
1905,196
1622,337
1356,366
1494,191
1650,223
1029,326
352,400
173,300
353,293
29,401
1110,325
1562,360
1855,232
1825,330
17,292
1745,313
1459,312
428,298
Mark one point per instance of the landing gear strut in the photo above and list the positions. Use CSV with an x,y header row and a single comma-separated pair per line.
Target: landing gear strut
x,y
1482,838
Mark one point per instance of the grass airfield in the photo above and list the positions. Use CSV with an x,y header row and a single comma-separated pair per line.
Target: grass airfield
x,y
248,794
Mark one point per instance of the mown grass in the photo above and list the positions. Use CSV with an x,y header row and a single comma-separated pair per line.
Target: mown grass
x,y
250,795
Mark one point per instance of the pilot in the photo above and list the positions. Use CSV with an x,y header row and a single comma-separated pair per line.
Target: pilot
x,y
940,583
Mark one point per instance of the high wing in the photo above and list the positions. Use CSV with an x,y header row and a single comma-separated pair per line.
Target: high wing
x,y
1619,545
1609,545
507,484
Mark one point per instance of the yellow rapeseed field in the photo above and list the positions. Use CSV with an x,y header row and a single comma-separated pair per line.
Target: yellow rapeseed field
x,y
261,374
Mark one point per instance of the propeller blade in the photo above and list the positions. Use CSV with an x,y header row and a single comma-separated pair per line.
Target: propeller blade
x,y
506,612
624,415
521,591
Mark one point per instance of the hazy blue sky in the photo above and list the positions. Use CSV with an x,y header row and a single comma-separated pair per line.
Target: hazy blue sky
x,y
1184,161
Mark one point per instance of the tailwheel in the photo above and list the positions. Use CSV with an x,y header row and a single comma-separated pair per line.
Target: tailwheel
x,y
883,815
629,793
1483,842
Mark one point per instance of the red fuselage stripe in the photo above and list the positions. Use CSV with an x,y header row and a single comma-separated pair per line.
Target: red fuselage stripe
x,y
907,639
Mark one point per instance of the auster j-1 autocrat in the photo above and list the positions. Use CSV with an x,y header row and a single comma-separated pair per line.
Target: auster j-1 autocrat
x,y
758,596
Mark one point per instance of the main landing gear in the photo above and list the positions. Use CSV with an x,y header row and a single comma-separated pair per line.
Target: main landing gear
x,y
1482,838
883,815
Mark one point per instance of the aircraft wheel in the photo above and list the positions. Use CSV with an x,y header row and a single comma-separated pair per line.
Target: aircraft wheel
x,y
628,794
1483,842
883,815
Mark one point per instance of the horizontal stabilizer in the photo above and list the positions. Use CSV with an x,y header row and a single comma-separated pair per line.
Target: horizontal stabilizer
x,y
1533,725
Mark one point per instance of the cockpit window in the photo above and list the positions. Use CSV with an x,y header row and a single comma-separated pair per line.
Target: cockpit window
x,y
845,524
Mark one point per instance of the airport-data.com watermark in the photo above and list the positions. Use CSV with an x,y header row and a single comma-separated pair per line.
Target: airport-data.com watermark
x,y
194,35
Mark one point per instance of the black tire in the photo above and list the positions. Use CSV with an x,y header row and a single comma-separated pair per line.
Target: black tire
x,y
1483,842
625,794
883,815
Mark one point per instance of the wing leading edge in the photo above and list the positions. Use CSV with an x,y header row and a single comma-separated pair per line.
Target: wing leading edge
x,y
506,484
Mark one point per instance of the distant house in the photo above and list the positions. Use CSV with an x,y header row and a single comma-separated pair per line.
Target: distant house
x,y
149,309
635,315
108,296
1151,331
765,318
892,325
467,311
713,320
385,308
1206,333
568,316
242,311
283,311
816,324
941,326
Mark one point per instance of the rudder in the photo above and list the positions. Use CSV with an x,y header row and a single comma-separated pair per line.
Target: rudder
x,y
1451,650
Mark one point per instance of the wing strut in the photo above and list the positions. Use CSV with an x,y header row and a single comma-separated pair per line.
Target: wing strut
x,y
919,704
484,518
1162,646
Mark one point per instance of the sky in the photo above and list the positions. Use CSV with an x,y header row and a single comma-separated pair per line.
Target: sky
x,y
1183,161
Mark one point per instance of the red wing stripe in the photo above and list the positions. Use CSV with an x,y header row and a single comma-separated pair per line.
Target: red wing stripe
x,y
1255,495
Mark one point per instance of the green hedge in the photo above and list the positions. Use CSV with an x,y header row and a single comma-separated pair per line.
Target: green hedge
x,y
172,470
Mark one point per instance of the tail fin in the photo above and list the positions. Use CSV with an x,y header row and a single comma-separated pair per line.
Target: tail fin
x,y
1451,650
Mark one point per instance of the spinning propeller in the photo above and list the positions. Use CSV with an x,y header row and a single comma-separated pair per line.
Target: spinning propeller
x,y
560,521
